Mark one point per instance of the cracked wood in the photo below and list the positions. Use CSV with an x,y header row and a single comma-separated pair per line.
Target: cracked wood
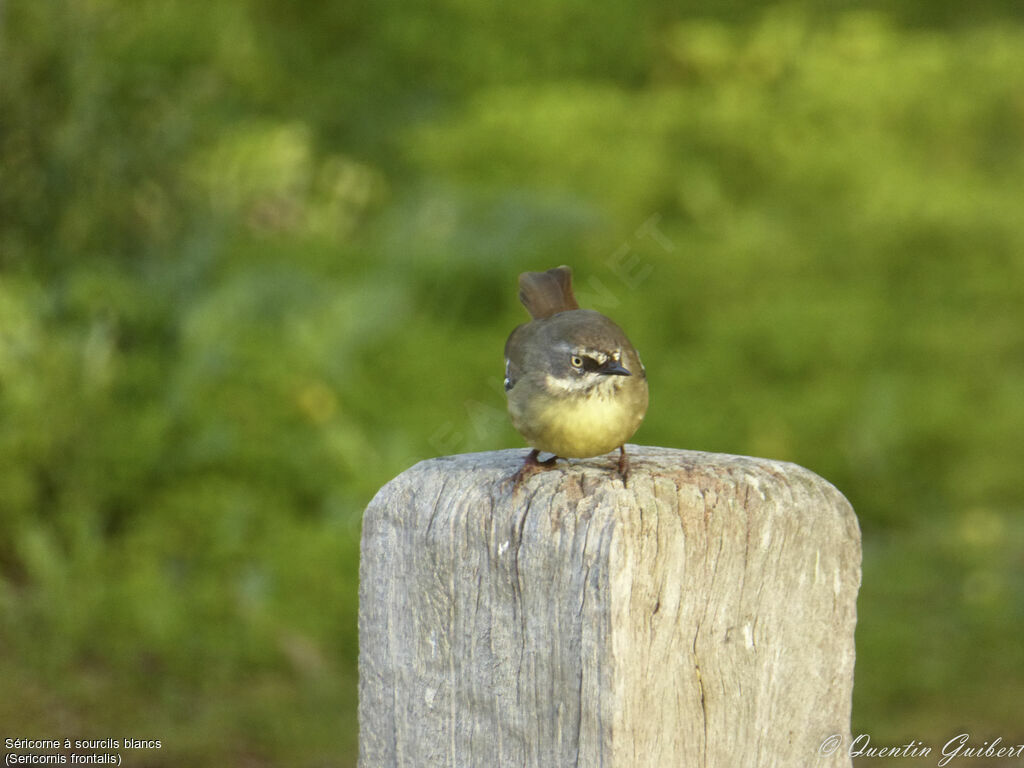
x,y
703,616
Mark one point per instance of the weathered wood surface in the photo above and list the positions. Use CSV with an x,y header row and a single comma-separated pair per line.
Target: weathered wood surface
x,y
701,617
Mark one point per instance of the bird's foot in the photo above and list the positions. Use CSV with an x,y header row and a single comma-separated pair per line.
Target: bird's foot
x,y
531,466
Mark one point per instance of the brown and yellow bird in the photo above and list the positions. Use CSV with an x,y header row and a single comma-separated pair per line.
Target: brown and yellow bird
x,y
575,384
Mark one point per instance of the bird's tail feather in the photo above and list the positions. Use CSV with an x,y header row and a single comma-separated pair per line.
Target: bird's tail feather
x,y
546,293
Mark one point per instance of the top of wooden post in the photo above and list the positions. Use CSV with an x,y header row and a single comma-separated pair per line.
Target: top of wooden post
x,y
649,465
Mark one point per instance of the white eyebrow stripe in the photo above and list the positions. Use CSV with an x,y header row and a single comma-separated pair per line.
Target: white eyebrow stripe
x,y
594,354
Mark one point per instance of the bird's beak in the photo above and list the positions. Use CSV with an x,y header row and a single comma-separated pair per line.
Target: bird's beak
x,y
614,368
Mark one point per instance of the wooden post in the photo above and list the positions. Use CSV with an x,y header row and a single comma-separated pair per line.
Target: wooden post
x,y
701,617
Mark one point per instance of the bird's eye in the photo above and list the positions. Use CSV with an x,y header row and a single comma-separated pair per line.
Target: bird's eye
x,y
577,361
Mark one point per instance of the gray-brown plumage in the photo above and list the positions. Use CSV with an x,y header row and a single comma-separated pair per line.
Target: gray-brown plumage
x,y
575,384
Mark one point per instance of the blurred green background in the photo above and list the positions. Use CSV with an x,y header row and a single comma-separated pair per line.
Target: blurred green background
x,y
257,258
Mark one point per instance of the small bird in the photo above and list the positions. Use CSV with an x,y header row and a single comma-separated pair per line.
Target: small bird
x,y
575,385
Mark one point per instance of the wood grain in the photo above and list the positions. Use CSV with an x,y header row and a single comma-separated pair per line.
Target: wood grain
x,y
703,616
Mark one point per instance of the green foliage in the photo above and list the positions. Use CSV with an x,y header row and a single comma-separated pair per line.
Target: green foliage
x,y
252,267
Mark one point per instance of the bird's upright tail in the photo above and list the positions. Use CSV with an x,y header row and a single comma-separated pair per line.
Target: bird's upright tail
x,y
546,293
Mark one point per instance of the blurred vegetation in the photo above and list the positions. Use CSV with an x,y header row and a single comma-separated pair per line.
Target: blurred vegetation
x,y
256,261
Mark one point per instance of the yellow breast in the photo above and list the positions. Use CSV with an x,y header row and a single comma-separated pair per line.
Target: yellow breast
x,y
580,426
